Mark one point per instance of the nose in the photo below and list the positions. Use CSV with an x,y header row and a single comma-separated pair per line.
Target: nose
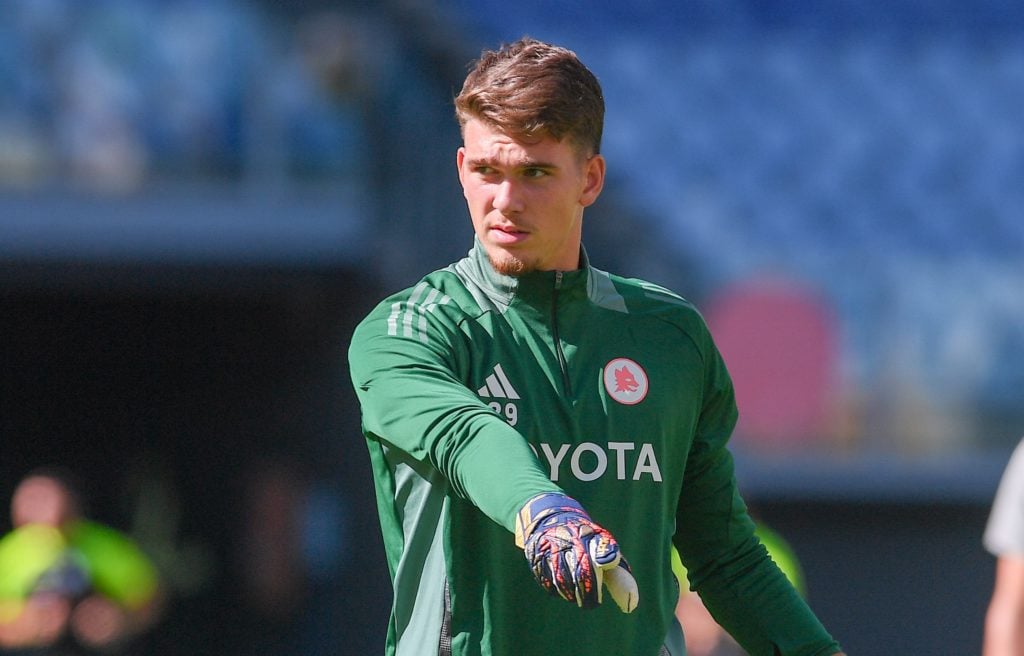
x,y
507,199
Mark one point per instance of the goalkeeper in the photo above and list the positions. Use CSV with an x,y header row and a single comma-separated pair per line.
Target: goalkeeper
x,y
521,402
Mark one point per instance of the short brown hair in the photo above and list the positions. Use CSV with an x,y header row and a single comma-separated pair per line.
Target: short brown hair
x,y
535,89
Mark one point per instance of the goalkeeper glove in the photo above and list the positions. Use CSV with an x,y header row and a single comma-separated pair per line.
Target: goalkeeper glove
x,y
571,556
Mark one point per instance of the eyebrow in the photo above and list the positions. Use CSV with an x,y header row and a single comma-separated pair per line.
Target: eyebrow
x,y
521,164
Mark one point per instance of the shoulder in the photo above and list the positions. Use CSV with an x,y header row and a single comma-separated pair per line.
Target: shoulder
x,y
438,289
1015,467
438,301
647,299
33,541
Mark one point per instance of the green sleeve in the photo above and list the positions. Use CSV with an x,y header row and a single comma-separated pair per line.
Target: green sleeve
x,y
117,566
727,565
413,399
25,554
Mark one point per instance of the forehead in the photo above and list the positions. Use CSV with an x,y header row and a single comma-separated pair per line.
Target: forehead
x,y
41,487
483,142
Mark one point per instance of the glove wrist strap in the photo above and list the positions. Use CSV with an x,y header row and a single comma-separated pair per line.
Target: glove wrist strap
x,y
538,508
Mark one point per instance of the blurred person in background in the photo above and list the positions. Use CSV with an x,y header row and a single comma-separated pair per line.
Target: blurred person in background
x,y
508,396
1004,538
69,584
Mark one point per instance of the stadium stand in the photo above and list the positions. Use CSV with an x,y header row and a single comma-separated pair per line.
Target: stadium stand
x,y
867,148
870,149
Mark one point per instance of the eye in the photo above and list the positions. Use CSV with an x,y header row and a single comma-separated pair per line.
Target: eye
x,y
534,172
486,173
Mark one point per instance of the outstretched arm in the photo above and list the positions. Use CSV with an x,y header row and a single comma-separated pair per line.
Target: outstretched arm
x,y
415,401
1004,621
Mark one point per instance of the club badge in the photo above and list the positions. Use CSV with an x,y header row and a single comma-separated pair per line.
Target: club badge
x,y
626,381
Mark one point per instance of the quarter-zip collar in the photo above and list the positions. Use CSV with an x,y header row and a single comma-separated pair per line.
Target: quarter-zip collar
x,y
534,288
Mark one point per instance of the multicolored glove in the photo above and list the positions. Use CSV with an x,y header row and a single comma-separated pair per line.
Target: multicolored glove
x,y
571,556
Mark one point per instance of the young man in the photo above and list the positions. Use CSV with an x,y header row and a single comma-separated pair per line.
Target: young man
x,y
521,400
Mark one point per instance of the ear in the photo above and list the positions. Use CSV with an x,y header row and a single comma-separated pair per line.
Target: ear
x,y
460,157
593,172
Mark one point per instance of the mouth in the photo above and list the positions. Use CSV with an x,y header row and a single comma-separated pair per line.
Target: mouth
x,y
507,234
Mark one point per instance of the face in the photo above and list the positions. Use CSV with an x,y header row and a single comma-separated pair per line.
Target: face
x,y
526,199
42,500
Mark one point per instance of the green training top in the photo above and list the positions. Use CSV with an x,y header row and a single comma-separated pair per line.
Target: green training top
x,y
480,390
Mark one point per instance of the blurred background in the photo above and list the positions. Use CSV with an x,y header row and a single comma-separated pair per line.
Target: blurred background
x,y
199,200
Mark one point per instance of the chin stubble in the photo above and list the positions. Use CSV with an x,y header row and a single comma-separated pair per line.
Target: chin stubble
x,y
509,266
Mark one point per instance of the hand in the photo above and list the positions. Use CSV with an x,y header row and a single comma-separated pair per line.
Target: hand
x,y
571,556
97,622
39,622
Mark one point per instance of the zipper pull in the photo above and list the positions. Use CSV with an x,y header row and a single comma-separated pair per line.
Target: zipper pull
x,y
558,279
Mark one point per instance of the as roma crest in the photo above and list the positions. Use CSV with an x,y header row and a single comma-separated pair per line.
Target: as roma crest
x,y
625,381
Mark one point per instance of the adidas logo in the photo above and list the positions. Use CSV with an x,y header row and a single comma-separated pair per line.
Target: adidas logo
x,y
497,386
